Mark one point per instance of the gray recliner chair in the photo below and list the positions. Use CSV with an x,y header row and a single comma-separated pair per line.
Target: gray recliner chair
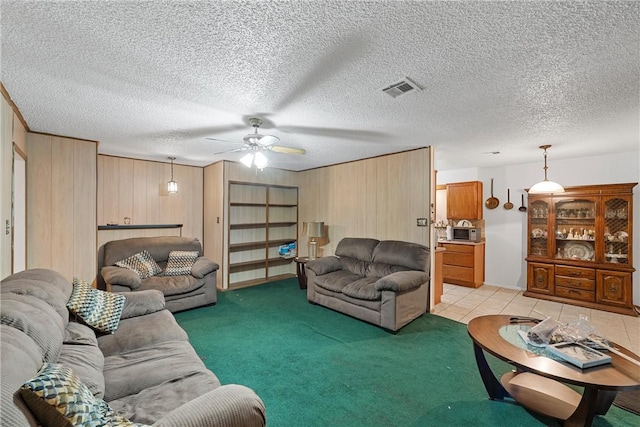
x,y
198,288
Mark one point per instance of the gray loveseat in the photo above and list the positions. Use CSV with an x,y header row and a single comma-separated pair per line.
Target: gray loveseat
x,y
180,292
381,282
147,370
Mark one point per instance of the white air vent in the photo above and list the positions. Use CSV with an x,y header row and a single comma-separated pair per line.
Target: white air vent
x,y
400,88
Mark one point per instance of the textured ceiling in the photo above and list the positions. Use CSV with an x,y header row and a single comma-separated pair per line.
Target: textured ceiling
x,y
154,79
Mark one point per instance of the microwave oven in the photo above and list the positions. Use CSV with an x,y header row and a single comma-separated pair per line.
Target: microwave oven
x,y
468,234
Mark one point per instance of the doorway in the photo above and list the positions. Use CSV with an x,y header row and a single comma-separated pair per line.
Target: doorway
x,y
19,211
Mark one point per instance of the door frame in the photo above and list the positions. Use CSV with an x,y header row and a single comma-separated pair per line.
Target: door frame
x,y
18,210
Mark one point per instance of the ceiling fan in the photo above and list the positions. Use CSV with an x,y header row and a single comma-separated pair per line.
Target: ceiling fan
x,y
256,144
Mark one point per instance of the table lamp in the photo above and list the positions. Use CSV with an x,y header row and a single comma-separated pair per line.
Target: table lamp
x,y
313,230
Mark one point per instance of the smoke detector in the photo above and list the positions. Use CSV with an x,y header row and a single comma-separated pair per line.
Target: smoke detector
x,y
401,88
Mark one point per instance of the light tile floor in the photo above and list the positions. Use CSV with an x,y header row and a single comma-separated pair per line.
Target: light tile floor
x,y
463,304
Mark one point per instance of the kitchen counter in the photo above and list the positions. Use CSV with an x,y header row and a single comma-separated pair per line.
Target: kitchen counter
x,y
461,242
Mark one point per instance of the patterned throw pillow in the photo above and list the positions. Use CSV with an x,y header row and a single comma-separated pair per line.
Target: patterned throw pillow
x,y
99,309
180,263
142,263
56,396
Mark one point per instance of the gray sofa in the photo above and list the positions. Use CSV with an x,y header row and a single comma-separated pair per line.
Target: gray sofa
x,y
147,370
180,292
381,282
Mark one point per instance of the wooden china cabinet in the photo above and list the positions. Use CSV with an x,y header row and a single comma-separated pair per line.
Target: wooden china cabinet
x,y
580,247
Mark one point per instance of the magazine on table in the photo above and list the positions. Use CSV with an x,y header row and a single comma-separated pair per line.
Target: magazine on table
x,y
578,354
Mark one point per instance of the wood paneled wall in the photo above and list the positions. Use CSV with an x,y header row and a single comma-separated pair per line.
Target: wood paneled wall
x,y
214,190
381,198
138,189
6,155
61,201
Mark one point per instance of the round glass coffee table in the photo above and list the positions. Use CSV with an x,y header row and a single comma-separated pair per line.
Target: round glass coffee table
x,y
538,382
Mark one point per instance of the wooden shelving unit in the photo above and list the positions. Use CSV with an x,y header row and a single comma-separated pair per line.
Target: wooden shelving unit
x,y
580,247
261,218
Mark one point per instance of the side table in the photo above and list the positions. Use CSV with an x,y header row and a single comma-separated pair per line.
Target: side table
x,y
302,275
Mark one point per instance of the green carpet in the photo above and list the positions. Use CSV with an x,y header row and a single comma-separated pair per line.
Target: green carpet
x,y
315,367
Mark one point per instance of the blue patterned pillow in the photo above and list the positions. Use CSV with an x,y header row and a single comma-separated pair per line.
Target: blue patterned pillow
x,y
142,263
180,263
99,309
56,396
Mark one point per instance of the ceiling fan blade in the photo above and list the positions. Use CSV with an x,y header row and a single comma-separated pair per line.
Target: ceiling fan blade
x,y
340,133
224,140
235,150
267,140
287,150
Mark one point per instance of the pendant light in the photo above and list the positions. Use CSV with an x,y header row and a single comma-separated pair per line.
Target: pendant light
x,y
172,186
546,186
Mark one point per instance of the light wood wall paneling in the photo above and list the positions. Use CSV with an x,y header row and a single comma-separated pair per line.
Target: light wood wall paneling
x,y
108,180
154,208
62,217
84,206
192,200
138,189
380,197
214,220
39,194
19,134
61,205
239,172
125,189
6,176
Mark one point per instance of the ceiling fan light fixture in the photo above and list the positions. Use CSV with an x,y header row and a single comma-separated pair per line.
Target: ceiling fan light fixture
x,y
247,160
546,186
260,160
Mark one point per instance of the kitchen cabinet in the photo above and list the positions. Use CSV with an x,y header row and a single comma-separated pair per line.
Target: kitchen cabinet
x,y
580,247
464,200
463,263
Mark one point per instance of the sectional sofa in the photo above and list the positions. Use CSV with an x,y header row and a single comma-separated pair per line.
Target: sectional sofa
x,y
145,371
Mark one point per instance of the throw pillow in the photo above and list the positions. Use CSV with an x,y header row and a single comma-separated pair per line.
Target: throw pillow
x,y
142,263
180,263
99,309
57,397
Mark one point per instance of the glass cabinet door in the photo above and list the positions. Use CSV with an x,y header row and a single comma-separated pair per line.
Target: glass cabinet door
x,y
539,228
575,229
616,231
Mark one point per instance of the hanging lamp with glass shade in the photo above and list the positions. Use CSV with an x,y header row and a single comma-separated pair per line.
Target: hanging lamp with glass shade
x,y
172,186
546,186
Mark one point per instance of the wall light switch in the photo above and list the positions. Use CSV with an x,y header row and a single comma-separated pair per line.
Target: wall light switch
x,y
422,222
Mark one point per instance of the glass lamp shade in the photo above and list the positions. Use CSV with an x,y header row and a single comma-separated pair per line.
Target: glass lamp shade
x,y
313,230
247,160
546,187
260,160
172,186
